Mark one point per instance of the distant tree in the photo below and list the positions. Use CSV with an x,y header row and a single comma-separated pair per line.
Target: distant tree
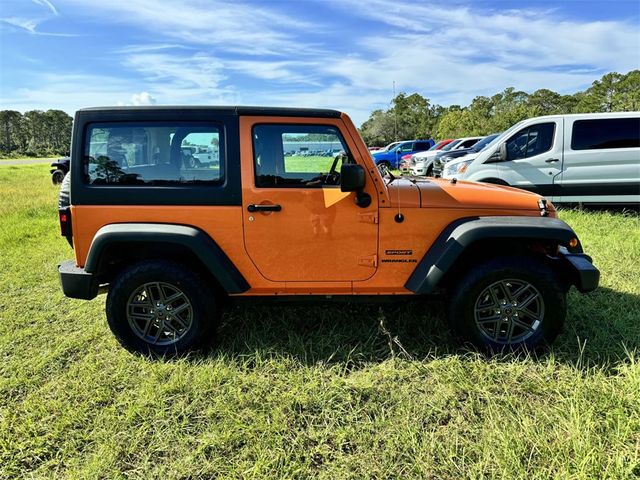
x,y
417,117
9,130
379,128
35,133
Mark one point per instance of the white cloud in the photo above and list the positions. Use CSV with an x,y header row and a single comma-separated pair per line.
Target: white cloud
x,y
208,52
27,24
195,71
28,17
235,26
47,4
142,98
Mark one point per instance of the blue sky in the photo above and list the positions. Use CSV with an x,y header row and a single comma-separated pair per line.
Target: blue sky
x,y
342,54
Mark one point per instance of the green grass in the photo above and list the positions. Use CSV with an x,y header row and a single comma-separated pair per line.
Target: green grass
x,y
342,392
22,157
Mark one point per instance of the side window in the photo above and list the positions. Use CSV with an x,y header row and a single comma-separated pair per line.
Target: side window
x,y
405,147
422,146
307,156
605,133
469,143
531,141
152,154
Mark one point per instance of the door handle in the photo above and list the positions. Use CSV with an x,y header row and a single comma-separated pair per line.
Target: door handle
x,y
258,207
552,160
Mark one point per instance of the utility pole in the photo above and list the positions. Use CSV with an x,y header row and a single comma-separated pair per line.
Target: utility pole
x,y
395,114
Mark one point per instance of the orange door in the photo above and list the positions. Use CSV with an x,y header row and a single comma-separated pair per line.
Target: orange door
x,y
298,225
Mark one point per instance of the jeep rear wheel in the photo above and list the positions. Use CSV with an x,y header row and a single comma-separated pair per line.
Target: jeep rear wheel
x,y
508,303
162,308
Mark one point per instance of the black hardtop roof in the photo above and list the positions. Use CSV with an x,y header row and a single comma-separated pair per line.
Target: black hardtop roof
x,y
229,110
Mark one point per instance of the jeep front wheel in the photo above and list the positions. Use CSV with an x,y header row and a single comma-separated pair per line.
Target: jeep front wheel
x,y
162,308
508,303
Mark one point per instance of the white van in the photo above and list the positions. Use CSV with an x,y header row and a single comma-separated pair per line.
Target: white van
x,y
590,158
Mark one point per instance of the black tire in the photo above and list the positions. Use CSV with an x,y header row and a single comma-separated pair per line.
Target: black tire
x,y
201,308
385,164
494,282
57,176
429,172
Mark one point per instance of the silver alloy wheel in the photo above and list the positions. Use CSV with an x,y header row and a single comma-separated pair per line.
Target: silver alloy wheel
x,y
509,311
159,313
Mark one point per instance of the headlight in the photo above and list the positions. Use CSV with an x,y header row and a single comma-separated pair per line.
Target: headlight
x,y
458,168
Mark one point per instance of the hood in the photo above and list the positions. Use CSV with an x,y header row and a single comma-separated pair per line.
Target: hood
x,y
420,156
439,193
454,160
447,156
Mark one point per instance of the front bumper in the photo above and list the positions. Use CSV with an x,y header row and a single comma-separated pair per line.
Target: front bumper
x,y
582,273
76,282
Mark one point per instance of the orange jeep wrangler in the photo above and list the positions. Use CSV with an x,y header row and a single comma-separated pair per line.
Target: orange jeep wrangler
x,y
179,211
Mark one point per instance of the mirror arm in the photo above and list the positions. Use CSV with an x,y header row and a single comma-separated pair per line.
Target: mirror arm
x,y
363,199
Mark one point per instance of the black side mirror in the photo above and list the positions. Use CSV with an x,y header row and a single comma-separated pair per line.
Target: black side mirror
x,y
352,179
500,155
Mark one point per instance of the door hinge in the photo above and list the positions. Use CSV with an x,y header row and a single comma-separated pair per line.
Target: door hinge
x,y
369,261
368,217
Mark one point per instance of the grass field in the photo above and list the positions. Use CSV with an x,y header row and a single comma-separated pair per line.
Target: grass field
x,y
340,392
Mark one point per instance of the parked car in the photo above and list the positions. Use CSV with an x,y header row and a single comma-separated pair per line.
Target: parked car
x,y
406,161
422,162
443,143
467,153
391,158
386,148
586,158
174,246
59,170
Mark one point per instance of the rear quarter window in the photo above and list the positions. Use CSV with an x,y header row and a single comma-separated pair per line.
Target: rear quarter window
x,y
153,153
605,133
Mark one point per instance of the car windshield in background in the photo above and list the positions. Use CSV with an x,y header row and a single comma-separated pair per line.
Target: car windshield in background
x,y
390,147
450,145
486,141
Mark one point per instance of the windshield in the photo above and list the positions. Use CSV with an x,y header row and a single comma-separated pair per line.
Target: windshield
x,y
484,142
389,147
396,147
450,145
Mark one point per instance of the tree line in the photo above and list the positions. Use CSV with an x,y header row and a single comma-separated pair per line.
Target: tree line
x,y
48,133
34,133
413,116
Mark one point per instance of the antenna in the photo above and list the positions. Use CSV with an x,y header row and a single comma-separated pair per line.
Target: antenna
x,y
395,114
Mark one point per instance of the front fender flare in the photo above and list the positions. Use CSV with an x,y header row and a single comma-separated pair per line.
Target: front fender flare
x,y
461,234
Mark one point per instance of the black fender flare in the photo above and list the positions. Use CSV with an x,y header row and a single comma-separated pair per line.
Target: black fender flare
x,y
195,240
461,234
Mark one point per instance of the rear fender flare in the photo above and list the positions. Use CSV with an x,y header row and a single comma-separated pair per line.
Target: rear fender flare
x,y
195,240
